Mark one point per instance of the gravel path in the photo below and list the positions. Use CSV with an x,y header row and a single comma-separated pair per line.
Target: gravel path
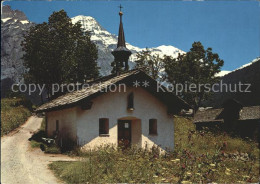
x,y
22,164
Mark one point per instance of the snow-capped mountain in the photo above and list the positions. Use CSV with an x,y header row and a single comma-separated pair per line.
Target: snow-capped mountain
x,y
106,42
14,24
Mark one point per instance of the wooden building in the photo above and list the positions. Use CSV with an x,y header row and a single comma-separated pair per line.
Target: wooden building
x,y
232,117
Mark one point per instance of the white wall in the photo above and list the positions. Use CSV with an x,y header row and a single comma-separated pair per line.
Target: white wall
x,y
136,132
67,122
113,105
84,124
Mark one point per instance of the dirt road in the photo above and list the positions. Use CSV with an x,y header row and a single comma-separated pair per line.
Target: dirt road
x,y
22,164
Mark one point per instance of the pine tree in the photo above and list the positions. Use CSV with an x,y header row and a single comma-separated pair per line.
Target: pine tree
x,y
59,52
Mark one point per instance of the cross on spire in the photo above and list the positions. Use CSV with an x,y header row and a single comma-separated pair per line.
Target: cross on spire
x,y
120,7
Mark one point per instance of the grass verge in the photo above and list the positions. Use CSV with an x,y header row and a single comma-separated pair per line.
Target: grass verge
x,y
198,157
14,112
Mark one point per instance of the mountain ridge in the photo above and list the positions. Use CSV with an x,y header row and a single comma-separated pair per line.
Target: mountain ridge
x,y
247,74
108,42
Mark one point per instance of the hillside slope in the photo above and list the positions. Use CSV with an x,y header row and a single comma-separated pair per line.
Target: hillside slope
x,y
247,74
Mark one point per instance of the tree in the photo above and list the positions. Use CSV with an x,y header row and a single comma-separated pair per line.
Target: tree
x,y
152,64
59,52
199,67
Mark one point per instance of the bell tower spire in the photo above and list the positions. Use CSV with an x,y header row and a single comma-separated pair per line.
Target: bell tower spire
x,y
121,53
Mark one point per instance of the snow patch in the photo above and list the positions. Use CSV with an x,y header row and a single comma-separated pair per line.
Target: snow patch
x,y
222,73
24,21
5,19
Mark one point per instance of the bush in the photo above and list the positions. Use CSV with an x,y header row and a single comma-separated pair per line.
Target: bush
x,y
52,149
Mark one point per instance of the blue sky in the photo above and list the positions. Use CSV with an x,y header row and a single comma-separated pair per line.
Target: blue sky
x,y
231,28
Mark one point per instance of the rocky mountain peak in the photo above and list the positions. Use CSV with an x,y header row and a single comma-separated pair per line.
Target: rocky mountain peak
x,y
14,24
7,12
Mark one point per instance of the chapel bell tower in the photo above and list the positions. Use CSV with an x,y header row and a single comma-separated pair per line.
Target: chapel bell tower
x,y
121,53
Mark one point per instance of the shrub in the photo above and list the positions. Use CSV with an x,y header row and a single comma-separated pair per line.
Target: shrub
x,y
52,149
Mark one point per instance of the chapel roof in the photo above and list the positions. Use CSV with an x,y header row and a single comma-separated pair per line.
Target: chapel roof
x,y
96,87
